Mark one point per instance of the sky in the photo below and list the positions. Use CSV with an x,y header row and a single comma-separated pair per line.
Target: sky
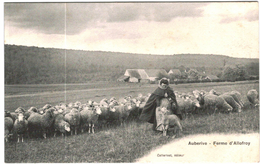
x,y
222,28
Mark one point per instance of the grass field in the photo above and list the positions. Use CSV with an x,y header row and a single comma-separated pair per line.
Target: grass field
x,y
39,95
132,141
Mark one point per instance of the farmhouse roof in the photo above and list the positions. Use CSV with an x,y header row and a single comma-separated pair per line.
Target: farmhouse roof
x,y
138,73
145,73
156,72
175,72
132,73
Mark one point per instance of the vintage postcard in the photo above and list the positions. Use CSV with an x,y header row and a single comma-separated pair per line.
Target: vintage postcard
x,y
131,82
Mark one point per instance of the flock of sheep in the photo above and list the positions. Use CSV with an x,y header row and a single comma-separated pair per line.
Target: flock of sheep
x,y
77,117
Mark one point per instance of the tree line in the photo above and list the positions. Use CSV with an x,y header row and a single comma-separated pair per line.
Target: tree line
x,y
34,65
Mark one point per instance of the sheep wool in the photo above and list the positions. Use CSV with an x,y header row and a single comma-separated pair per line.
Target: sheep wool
x,y
61,125
73,118
253,97
8,127
20,126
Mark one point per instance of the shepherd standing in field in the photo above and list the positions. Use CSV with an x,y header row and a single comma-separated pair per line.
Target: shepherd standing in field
x,y
163,91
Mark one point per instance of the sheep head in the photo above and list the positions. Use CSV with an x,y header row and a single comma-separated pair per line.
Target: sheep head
x,y
47,106
196,93
70,105
129,107
112,109
163,110
19,110
8,114
112,99
78,103
60,110
214,92
85,107
195,102
67,127
97,110
50,112
20,117
32,109
138,103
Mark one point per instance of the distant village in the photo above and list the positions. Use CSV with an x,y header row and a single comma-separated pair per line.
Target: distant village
x,y
175,76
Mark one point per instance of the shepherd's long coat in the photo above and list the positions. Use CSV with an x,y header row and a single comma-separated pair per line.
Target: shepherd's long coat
x,y
148,112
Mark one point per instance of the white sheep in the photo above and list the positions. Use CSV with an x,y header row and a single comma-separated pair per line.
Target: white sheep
x,y
237,97
61,125
89,116
135,111
187,105
140,97
20,127
169,121
8,127
12,115
211,103
40,122
30,111
73,118
122,100
231,101
121,113
253,97
104,118
104,102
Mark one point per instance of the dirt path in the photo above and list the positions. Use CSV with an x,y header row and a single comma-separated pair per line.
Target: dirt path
x,y
215,148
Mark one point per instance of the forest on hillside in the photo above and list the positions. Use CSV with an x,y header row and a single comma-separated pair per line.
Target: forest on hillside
x,y
34,65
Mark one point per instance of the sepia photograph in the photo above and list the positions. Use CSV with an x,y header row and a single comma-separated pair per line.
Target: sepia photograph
x,y
131,82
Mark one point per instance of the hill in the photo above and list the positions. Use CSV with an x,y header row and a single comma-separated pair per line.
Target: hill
x,y
28,65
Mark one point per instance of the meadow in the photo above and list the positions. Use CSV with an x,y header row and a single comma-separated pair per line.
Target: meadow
x,y
120,143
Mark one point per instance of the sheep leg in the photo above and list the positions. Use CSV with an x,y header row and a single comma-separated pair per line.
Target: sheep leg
x,y
55,134
76,131
22,137
89,128
18,136
165,128
44,135
93,128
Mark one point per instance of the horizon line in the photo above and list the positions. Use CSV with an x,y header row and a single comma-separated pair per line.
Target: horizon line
x,y
130,52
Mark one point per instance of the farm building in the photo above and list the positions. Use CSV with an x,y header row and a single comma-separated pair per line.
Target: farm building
x,y
155,74
211,78
145,75
134,80
123,78
135,75
193,74
175,72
